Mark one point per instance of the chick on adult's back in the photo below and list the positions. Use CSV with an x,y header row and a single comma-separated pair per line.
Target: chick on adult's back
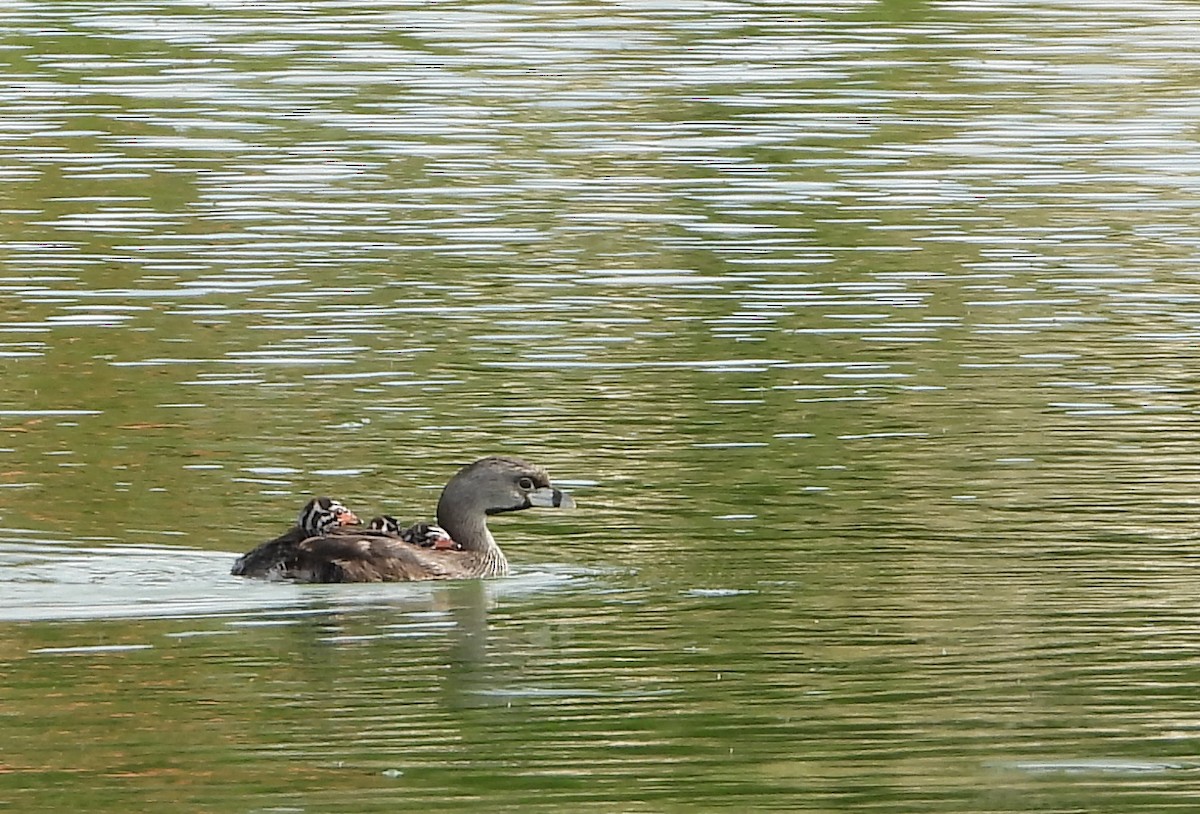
x,y
320,516
493,485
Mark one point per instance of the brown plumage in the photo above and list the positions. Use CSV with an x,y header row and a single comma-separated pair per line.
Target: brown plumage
x,y
489,486
359,558
426,535
320,516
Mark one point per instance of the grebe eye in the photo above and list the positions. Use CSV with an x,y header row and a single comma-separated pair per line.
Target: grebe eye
x,y
526,484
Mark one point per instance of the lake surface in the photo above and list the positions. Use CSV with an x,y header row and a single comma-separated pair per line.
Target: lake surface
x,y
864,334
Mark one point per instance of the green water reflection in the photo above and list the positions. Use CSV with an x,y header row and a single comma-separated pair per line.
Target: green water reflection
x,y
862,335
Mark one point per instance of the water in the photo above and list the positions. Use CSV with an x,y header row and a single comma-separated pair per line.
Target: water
x,y
862,334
